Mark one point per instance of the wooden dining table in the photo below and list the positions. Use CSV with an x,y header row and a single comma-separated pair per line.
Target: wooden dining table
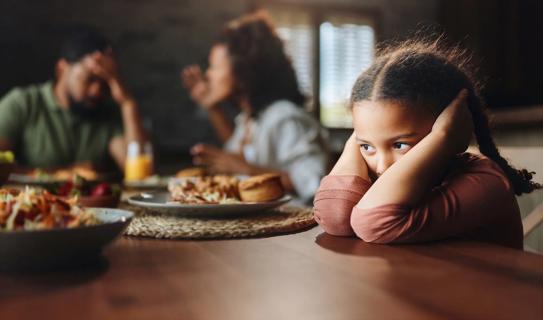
x,y
308,275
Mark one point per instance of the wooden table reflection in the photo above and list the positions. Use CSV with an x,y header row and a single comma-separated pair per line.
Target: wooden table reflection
x,y
309,275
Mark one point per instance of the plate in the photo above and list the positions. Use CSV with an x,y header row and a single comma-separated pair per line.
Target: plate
x,y
158,201
19,178
51,248
107,201
154,182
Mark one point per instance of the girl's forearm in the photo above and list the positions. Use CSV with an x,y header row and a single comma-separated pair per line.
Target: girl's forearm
x,y
341,190
411,177
351,162
334,202
345,167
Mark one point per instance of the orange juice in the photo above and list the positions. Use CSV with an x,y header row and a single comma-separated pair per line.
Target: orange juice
x,y
138,168
138,165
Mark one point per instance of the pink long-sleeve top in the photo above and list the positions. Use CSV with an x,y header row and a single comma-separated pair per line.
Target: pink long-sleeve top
x,y
475,200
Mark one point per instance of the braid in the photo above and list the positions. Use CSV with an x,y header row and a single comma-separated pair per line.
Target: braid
x,y
520,179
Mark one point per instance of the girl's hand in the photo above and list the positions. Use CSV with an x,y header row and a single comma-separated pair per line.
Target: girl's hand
x,y
218,161
456,124
351,161
195,82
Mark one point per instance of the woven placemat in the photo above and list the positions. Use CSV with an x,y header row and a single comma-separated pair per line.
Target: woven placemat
x,y
282,220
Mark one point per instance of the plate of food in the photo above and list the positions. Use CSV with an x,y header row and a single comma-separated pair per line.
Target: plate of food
x,y
216,196
161,182
152,182
88,193
39,230
42,177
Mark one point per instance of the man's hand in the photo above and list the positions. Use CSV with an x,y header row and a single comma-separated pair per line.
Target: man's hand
x,y
104,65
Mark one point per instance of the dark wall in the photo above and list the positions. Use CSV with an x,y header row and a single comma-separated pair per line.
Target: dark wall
x,y
506,38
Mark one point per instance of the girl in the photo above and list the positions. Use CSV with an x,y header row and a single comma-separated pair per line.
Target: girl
x,y
249,68
403,176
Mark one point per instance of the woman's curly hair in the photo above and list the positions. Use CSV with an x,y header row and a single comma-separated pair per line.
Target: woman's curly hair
x,y
262,70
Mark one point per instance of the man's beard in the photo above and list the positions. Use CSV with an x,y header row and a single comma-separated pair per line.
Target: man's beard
x,y
87,109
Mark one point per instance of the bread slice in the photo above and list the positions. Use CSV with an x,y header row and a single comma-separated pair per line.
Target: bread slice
x,y
191,172
261,188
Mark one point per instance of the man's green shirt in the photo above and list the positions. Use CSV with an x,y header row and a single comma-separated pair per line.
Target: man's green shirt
x,y
47,135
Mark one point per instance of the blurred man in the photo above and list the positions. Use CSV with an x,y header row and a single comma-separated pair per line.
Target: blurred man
x,y
84,116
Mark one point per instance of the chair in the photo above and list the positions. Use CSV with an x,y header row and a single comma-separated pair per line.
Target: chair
x,y
532,220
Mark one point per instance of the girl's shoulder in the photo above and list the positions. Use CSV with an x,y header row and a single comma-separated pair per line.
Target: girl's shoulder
x,y
470,161
477,164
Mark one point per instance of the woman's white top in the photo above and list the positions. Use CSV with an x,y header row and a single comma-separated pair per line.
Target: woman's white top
x,y
284,137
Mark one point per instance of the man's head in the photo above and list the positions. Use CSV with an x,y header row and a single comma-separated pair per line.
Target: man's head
x,y
82,88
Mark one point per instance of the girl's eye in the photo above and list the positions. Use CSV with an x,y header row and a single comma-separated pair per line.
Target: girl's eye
x,y
367,148
401,146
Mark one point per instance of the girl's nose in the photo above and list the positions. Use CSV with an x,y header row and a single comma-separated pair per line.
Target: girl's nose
x,y
385,161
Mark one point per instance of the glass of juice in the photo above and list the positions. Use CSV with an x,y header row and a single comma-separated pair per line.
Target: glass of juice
x,y
139,161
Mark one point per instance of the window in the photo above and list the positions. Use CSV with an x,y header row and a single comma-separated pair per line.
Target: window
x,y
346,43
297,34
346,49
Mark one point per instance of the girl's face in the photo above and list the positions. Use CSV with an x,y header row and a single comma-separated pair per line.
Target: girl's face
x,y
219,74
386,130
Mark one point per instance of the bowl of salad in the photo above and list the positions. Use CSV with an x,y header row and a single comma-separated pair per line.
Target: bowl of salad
x,y
89,193
39,230
6,165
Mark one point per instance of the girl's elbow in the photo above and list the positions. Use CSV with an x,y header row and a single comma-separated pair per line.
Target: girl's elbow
x,y
378,226
370,234
334,224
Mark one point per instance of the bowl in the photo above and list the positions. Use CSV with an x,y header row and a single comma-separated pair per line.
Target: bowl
x,y
108,201
48,249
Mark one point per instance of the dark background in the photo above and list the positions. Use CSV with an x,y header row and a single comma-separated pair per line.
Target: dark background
x,y
155,39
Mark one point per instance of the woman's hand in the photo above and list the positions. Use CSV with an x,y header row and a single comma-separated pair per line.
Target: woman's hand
x,y
456,124
219,161
351,161
195,82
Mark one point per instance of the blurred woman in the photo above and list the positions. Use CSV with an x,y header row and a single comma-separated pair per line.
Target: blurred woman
x,y
272,133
